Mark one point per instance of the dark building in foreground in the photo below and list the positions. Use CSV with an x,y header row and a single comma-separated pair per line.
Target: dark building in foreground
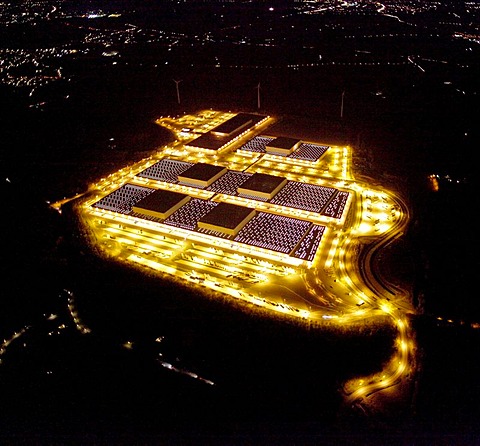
x,y
282,146
226,218
262,185
161,203
202,174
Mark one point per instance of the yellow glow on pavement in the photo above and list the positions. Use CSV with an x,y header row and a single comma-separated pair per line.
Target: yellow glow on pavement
x,y
318,290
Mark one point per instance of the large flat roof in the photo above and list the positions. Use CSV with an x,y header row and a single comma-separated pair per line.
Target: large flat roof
x,y
239,121
209,141
221,135
202,173
227,217
283,142
161,203
262,182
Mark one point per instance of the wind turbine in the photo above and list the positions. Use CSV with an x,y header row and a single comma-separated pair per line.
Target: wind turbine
x,y
258,95
341,106
178,91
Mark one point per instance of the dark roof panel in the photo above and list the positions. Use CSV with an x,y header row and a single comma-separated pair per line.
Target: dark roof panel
x,y
209,141
202,171
227,215
161,201
262,182
237,122
282,142
225,132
